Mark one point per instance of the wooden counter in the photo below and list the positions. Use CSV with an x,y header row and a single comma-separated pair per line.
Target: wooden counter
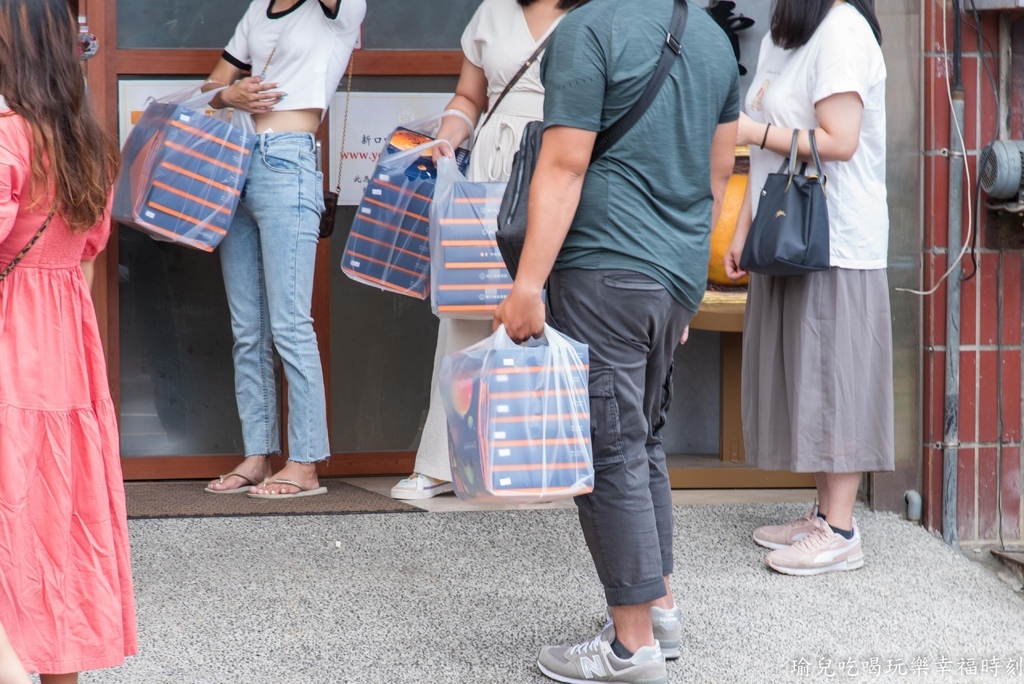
x,y
723,312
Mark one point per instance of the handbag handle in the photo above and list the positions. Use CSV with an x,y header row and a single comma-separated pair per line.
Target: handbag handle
x,y
789,165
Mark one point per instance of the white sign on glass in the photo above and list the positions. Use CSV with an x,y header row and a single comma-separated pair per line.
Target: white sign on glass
x,y
371,119
133,96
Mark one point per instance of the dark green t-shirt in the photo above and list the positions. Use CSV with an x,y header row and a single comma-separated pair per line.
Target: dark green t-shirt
x,y
646,203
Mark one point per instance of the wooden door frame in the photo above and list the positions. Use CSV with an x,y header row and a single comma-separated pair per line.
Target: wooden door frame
x,y
111,64
104,71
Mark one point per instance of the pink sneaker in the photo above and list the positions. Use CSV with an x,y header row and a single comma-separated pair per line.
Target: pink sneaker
x,y
781,536
819,552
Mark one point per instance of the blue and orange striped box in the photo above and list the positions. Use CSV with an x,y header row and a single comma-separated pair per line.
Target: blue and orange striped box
x,y
469,278
389,246
182,176
518,423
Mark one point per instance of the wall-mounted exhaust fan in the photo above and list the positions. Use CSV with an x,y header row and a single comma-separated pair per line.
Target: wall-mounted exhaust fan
x,y
1001,173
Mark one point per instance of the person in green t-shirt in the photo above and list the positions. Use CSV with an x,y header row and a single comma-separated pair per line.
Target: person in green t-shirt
x,y
623,244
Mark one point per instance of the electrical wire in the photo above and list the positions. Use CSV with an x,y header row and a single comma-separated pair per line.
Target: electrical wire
x,y
967,177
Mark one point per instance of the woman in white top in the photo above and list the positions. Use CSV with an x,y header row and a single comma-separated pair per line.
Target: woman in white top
x,y
498,40
296,52
817,349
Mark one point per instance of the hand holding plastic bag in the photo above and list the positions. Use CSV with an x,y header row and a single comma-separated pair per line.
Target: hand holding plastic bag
x,y
519,419
388,246
183,171
195,98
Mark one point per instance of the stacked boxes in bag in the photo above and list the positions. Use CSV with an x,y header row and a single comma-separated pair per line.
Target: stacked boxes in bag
x,y
389,246
518,425
182,175
470,279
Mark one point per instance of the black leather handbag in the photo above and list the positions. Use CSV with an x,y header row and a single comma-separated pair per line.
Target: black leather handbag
x,y
789,235
511,233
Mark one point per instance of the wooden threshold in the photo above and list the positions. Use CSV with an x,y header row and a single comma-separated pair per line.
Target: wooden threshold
x,y
709,472
685,472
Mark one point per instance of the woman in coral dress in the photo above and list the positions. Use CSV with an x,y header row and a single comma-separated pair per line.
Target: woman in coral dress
x,y
65,579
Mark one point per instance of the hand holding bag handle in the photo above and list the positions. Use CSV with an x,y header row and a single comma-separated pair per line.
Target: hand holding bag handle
x,y
789,235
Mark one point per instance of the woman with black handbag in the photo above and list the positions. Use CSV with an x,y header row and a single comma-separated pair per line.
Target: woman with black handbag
x,y
502,45
295,52
817,347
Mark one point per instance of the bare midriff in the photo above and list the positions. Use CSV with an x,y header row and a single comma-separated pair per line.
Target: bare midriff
x,y
290,121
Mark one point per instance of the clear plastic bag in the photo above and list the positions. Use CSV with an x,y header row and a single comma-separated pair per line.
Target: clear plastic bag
x,y
388,246
468,278
519,419
182,171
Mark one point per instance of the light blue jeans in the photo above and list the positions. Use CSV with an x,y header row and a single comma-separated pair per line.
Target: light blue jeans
x,y
268,258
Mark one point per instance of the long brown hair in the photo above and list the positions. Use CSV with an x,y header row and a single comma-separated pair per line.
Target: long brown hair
x,y
41,80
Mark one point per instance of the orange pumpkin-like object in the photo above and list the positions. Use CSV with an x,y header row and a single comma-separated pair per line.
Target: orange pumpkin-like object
x,y
722,233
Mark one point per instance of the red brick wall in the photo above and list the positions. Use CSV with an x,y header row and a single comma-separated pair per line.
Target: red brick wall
x,y
990,323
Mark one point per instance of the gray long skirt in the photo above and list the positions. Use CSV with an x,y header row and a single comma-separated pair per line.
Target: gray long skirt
x,y
817,372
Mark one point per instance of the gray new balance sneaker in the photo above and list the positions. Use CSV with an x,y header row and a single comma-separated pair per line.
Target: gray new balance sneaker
x,y
594,661
668,627
668,630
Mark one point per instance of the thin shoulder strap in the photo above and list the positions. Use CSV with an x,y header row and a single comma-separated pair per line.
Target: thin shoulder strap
x,y
673,48
515,79
22,253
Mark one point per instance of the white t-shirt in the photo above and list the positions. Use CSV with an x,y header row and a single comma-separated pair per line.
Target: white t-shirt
x,y
311,47
841,57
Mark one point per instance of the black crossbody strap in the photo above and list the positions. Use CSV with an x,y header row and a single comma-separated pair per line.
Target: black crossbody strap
x,y
515,79
673,48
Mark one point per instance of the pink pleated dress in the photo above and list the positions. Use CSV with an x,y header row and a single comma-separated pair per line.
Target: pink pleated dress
x,y
66,596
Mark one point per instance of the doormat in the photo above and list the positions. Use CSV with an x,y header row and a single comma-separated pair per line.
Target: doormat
x,y
188,500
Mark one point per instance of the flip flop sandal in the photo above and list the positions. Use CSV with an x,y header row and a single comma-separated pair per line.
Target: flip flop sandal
x,y
303,491
236,490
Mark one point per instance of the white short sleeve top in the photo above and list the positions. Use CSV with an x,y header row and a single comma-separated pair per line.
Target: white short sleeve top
x,y
311,46
841,57
498,40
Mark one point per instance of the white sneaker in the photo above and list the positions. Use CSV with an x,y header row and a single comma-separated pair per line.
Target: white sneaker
x,y
418,486
780,536
821,551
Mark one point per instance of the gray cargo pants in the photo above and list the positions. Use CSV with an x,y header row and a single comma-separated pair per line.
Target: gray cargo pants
x,y
632,325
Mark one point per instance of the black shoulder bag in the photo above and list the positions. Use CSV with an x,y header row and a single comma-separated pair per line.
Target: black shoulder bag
x,y
790,233
511,232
